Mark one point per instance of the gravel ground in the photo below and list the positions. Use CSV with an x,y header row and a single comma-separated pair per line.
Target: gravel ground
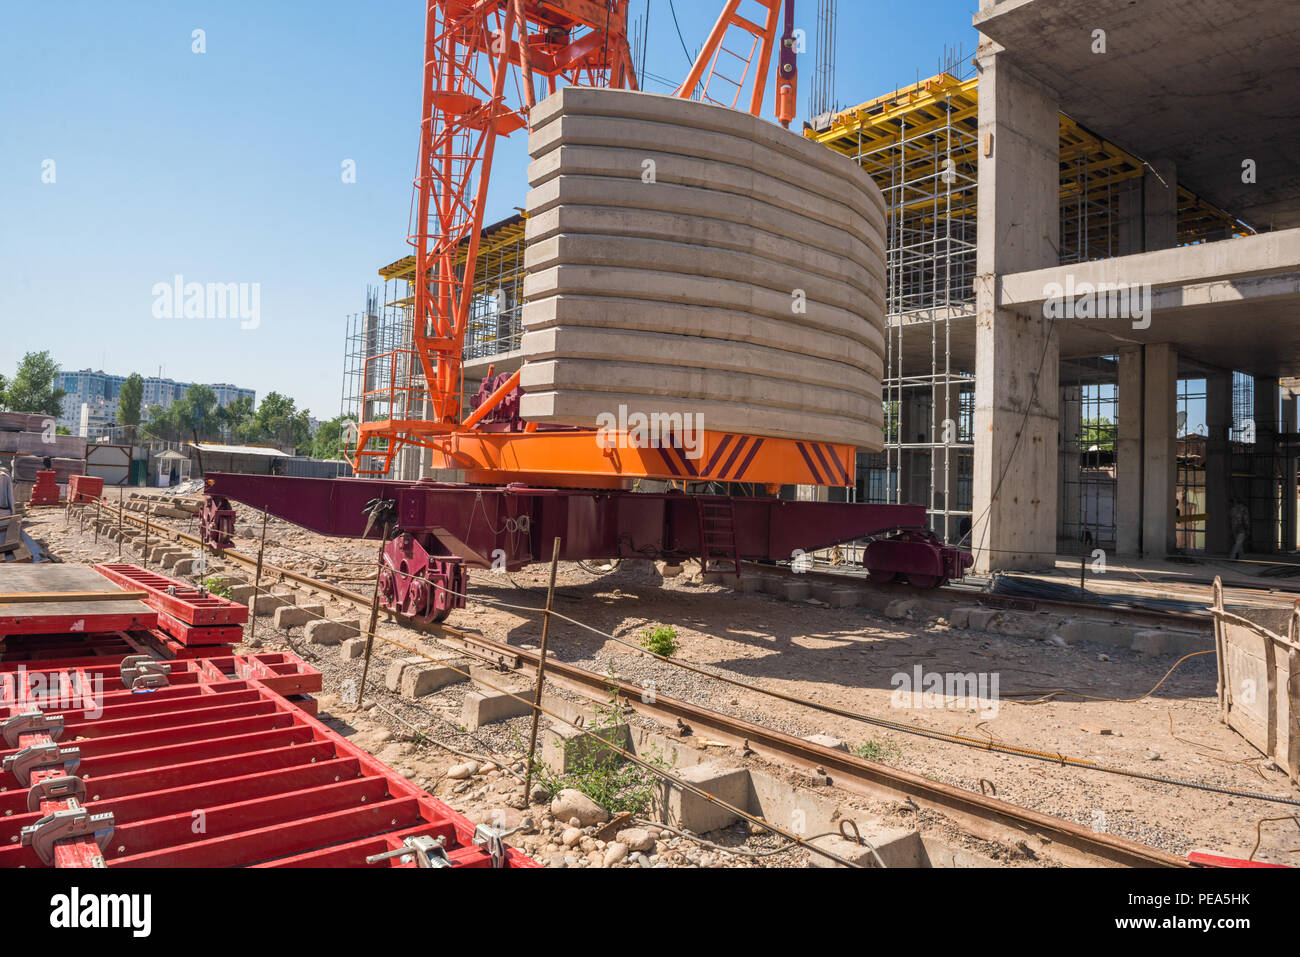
x,y
852,659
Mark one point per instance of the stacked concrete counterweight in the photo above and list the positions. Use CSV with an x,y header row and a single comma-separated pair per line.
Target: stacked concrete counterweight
x,y
686,258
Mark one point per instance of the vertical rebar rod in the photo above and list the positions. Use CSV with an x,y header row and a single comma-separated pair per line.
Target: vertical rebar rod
x,y
541,673
257,581
374,618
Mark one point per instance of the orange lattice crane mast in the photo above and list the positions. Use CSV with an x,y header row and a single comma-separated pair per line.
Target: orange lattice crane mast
x,y
483,64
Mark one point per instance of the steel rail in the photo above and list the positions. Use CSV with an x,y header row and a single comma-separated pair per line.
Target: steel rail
x,y
983,816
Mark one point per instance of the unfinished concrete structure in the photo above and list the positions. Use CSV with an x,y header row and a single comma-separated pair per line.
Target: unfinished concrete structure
x,y
1172,166
1161,323
688,259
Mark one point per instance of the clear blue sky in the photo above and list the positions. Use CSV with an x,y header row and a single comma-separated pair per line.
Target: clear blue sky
x,y
225,167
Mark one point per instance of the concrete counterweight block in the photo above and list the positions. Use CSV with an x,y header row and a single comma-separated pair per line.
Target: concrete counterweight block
x,y
687,259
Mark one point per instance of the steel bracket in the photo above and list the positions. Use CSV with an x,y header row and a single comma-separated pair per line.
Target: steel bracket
x,y
32,722
426,852
67,824
36,756
62,788
141,672
493,840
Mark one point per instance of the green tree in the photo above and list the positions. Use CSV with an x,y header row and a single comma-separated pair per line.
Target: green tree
x,y
3,384
279,422
196,412
1099,433
163,423
327,442
32,389
128,404
236,419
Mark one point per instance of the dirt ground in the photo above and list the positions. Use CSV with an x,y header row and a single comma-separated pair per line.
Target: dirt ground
x,y
853,659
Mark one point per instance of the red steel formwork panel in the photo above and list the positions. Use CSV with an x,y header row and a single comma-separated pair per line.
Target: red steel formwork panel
x,y
85,489
192,617
57,615
215,768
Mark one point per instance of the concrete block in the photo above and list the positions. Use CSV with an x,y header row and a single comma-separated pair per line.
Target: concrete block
x,y
393,677
267,603
688,810
242,593
485,707
983,619
331,632
796,589
184,566
836,596
827,741
900,608
959,617
1157,642
426,678
352,648
565,748
897,848
295,616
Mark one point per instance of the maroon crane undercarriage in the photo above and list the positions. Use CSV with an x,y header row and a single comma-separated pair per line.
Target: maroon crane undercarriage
x,y
437,531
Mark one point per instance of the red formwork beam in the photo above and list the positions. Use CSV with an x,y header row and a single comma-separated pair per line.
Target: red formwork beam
x,y
192,617
179,599
218,767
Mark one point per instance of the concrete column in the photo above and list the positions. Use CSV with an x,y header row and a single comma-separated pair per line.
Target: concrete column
x,y
1017,357
1071,425
1287,429
1160,205
1131,227
1264,505
1160,450
1128,452
1218,462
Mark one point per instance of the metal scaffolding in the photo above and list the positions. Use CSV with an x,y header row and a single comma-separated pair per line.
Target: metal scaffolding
x,y
920,144
376,352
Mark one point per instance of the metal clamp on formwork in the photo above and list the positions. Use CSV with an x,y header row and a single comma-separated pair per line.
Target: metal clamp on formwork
x,y
68,824
142,673
66,787
424,850
37,756
493,840
31,722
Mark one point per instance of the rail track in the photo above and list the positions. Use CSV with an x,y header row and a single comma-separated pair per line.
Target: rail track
x,y
978,814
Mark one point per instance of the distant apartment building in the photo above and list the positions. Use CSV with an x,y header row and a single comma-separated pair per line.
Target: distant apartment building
x,y
90,405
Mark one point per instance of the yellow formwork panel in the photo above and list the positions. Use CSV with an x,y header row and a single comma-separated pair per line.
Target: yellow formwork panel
x,y
902,137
